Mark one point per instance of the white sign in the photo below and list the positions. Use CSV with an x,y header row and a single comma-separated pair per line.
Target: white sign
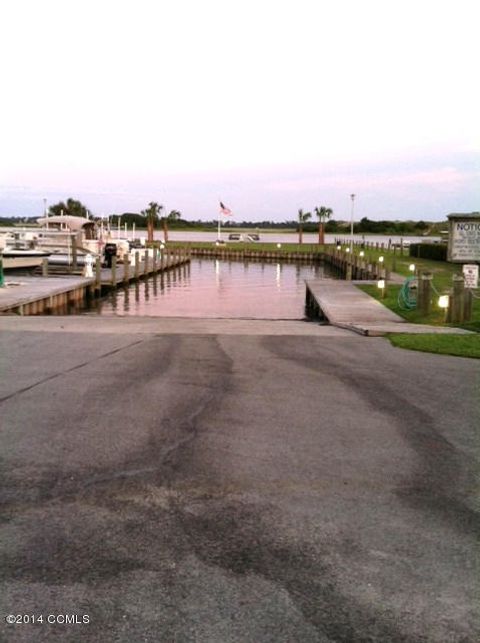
x,y
470,275
465,240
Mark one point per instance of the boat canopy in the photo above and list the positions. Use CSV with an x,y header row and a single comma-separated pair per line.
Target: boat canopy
x,y
68,221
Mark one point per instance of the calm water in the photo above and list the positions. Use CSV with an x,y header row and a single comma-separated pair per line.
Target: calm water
x,y
217,289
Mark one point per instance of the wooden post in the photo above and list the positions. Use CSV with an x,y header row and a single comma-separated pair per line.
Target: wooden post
x,y
467,304
114,272
348,270
162,261
154,261
45,267
74,253
457,299
145,267
98,274
419,289
137,264
126,269
425,293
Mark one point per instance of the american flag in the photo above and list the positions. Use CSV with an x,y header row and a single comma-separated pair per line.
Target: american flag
x,y
226,211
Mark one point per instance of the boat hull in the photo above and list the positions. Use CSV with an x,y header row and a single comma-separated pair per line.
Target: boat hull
x,y
14,261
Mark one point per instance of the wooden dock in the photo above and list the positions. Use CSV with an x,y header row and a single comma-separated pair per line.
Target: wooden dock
x,y
38,295
142,266
344,305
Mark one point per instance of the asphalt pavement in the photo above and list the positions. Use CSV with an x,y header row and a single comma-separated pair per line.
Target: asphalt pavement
x,y
285,486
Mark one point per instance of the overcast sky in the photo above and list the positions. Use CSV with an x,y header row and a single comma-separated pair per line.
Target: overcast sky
x,y
267,105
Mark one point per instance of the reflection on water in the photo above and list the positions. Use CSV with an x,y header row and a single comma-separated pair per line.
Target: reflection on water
x,y
216,289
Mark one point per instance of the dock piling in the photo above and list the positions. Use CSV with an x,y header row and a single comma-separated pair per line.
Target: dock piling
x,y
114,272
137,265
98,274
145,261
74,254
457,300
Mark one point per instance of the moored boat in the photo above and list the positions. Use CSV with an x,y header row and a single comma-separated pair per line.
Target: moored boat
x,y
20,251
16,258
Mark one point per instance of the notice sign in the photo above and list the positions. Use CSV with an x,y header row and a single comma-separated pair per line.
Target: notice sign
x,y
470,275
464,238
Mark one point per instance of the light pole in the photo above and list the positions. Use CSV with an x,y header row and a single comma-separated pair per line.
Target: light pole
x,y
45,209
352,196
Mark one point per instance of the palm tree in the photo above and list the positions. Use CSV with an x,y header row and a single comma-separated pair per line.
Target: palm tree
x,y
174,215
151,214
302,218
322,213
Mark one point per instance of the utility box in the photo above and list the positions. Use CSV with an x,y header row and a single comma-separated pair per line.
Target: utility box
x,y
464,238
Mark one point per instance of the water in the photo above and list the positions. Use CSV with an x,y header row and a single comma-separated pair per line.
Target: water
x,y
213,288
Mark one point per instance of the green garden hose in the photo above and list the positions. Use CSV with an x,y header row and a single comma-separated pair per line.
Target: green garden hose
x,y
407,297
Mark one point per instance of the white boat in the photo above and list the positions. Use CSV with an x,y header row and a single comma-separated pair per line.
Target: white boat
x,y
20,252
14,259
60,234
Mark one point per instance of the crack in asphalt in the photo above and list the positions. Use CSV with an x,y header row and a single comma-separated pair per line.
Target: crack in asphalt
x,y
68,370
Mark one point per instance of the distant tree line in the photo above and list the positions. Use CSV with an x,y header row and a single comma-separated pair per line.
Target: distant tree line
x,y
391,227
155,213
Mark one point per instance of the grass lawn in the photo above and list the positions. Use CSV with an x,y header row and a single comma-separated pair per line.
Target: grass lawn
x,y
460,345
238,246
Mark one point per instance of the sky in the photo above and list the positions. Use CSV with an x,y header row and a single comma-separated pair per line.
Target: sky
x,y
267,106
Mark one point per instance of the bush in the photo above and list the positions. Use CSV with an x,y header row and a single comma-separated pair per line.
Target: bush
x,y
435,251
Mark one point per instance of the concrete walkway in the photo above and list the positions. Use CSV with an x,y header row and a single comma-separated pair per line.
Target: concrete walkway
x,y
93,324
346,306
